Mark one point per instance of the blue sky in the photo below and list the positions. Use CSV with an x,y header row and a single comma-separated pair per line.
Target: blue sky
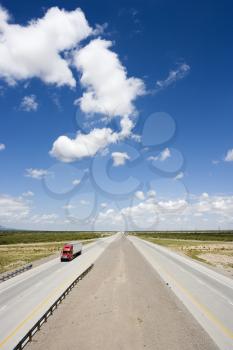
x,y
116,115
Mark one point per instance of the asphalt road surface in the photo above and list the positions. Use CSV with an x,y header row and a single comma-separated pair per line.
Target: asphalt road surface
x,y
207,294
25,298
122,304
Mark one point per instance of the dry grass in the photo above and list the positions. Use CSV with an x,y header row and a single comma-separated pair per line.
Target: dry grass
x,y
219,254
13,256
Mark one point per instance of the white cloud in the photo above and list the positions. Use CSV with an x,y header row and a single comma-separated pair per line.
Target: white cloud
x,y
100,29
229,156
36,173
29,103
35,50
178,204
217,205
28,194
173,76
13,208
87,145
165,154
179,176
84,145
68,206
139,195
44,218
153,158
149,211
109,90
76,182
103,205
119,158
2,147
215,162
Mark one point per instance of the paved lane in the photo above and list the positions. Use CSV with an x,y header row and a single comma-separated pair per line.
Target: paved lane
x,y
24,298
122,304
207,294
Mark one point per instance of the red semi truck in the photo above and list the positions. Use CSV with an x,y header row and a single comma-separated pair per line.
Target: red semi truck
x,y
70,251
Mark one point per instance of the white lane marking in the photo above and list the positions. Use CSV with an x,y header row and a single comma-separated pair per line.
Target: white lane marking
x,y
12,283
193,264
31,273
206,285
216,291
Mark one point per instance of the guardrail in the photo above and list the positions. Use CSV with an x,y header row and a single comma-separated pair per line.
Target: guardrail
x,y
15,272
28,337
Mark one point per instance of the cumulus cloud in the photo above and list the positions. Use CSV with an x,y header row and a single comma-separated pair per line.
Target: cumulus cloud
x,y
29,103
173,76
36,173
46,48
2,147
216,204
100,29
139,195
28,194
108,89
179,176
119,158
229,156
103,205
36,49
76,182
87,145
83,145
13,208
151,211
44,218
68,206
165,154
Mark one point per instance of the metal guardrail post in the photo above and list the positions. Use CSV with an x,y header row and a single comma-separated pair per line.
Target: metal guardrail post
x,y
28,337
15,273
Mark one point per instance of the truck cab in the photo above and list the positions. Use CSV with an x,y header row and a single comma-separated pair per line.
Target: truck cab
x,y
67,252
70,251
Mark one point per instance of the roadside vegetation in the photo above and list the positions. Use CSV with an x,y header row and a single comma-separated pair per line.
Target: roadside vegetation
x,y
15,237
226,236
16,255
20,248
212,247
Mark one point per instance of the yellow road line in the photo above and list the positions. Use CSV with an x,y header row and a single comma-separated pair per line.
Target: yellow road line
x,y
200,306
35,311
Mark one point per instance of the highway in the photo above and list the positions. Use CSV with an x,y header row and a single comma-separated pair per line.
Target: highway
x,y
139,295
24,298
207,295
122,304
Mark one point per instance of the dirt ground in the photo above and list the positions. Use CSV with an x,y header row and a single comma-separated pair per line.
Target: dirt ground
x,y
122,304
218,254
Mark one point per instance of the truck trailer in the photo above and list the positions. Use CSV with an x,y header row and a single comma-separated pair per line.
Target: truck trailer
x,y
70,251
